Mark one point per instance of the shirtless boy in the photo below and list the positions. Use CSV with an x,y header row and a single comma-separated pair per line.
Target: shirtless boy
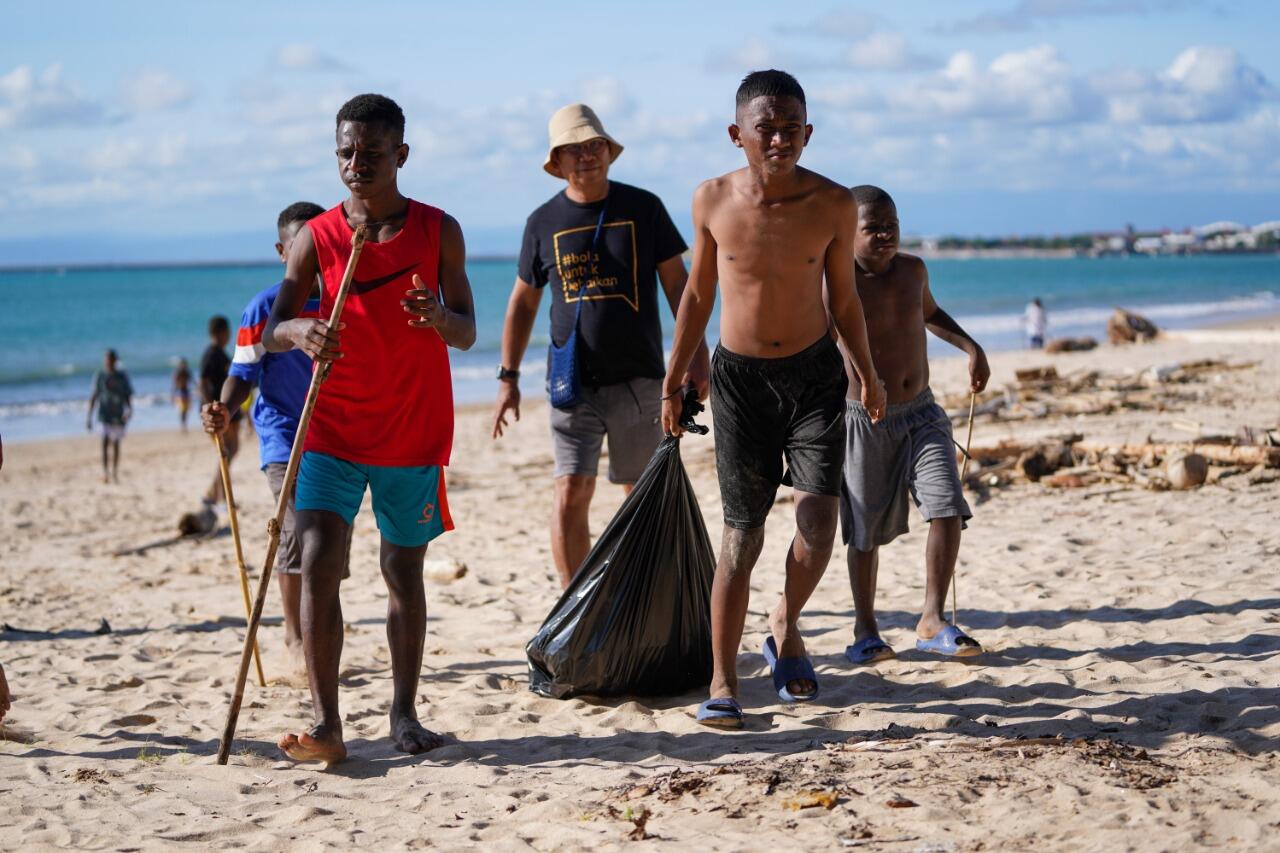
x,y
910,450
768,233
384,418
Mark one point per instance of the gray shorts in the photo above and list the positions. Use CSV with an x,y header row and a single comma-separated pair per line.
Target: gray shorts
x,y
289,551
629,413
910,451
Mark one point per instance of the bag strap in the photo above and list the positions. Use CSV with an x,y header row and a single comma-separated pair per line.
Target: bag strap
x,y
577,314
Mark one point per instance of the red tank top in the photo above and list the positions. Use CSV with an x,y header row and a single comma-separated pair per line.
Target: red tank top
x,y
389,399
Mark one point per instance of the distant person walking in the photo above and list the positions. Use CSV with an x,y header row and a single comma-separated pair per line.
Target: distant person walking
x,y
182,391
214,366
602,246
1036,322
113,398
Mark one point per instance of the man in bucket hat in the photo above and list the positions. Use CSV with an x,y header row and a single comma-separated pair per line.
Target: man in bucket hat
x,y
602,246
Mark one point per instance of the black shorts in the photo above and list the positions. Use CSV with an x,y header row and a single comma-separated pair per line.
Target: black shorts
x,y
768,408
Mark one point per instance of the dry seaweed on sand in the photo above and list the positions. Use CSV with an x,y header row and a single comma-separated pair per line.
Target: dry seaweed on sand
x,y
1041,392
1069,461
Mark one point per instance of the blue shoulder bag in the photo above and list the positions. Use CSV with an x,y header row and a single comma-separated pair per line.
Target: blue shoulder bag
x,y
564,381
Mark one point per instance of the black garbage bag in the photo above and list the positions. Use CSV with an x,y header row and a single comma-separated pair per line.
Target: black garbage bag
x,y
636,620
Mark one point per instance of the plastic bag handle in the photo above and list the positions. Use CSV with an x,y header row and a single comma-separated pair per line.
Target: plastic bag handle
x,y
692,407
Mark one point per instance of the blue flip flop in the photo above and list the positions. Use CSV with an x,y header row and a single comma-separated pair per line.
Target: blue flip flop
x,y
869,650
724,713
787,670
948,642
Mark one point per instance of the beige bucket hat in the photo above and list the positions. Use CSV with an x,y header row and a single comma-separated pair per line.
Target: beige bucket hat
x,y
572,124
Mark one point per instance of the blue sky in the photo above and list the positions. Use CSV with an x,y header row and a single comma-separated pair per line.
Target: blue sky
x,y
177,131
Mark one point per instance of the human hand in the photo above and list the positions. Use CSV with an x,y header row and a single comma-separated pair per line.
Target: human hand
x,y
508,400
672,407
979,371
423,305
317,339
699,374
215,418
874,399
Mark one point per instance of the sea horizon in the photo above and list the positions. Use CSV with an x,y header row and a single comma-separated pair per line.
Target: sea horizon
x,y
155,313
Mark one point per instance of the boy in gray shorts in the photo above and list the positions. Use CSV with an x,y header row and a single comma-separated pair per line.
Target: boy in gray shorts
x,y
909,452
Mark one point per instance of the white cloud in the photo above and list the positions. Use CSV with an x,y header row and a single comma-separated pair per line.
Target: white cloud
x,y
115,155
852,94
1028,13
154,90
43,100
837,23
306,57
608,97
1034,86
885,51
1203,84
754,55
868,47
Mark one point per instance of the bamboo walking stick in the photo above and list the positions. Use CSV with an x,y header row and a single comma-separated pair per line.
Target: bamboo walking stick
x,y
273,526
235,537
964,470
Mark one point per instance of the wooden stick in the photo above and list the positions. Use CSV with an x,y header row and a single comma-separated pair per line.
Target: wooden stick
x,y
273,526
964,471
235,537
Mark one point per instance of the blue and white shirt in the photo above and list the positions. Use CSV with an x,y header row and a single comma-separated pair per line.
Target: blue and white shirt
x,y
282,377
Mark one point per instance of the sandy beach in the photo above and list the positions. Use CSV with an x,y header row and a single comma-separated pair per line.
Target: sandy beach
x,y
1127,700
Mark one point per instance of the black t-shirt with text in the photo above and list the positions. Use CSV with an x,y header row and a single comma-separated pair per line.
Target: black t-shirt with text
x,y
620,333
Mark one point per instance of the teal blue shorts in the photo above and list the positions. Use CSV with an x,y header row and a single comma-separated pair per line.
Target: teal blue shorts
x,y
408,502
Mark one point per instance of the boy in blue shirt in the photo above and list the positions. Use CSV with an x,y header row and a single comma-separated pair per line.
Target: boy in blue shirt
x,y
282,379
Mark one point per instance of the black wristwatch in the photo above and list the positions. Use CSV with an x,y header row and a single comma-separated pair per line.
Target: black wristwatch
x,y
505,373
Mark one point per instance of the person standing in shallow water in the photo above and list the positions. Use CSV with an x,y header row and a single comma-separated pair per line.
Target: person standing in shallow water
x,y
181,391
779,240
1036,321
384,417
600,247
112,398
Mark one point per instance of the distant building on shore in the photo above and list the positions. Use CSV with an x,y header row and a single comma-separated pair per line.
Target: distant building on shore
x,y
1213,238
1216,237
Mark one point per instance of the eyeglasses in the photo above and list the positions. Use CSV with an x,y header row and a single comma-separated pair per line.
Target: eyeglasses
x,y
594,147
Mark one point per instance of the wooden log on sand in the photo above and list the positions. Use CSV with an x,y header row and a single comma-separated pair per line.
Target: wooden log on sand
x,y
1244,455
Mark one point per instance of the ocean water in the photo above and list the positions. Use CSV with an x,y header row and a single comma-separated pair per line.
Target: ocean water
x,y
56,324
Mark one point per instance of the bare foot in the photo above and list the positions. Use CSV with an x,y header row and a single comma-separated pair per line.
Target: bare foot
x,y
790,645
409,735
319,743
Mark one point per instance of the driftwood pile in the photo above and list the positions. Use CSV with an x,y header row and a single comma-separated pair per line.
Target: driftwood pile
x,y
1039,392
1069,461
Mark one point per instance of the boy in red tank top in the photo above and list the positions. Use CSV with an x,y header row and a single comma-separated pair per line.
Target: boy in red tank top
x,y
384,417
